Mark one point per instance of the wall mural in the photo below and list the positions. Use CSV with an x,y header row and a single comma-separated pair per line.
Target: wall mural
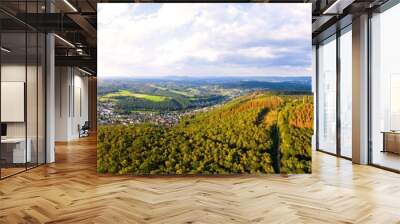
x,y
204,88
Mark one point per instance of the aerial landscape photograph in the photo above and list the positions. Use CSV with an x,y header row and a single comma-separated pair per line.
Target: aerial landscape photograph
x,y
206,89
200,112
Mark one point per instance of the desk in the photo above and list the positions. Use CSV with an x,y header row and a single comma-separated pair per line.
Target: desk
x,y
391,141
13,150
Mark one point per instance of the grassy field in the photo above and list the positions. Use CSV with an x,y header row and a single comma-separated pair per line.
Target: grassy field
x,y
126,93
158,87
181,93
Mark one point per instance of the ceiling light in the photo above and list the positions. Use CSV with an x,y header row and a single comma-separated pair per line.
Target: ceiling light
x,y
5,50
64,40
338,6
79,51
84,71
70,5
333,6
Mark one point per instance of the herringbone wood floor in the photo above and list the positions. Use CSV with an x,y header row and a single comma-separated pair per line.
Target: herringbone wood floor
x,y
70,191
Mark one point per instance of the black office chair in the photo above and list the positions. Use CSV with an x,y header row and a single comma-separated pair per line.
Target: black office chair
x,y
84,130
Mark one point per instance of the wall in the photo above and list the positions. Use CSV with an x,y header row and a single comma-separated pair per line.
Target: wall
x,y
62,82
92,98
71,102
12,73
33,127
17,73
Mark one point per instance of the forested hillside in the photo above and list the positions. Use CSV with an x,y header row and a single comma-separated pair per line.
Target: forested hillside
x,y
256,133
295,122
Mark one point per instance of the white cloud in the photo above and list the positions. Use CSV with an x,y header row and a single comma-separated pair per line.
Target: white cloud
x,y
139,39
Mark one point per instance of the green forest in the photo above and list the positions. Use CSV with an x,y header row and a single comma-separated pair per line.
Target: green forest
x,y
261,132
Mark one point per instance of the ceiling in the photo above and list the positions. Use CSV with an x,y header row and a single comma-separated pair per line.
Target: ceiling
x,y
75,22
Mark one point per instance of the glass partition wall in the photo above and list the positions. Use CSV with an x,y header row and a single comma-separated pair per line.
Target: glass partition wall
x,y
334,93
327,95
385,89
22,78
13,86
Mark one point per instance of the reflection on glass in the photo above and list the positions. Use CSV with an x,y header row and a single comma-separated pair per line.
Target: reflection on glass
x,y
394,102
31,100
22,92
41,98
346,94
327,96
385,86
14,153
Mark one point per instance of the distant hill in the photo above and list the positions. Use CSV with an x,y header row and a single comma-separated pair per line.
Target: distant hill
x,y
181,93
273,86
214,80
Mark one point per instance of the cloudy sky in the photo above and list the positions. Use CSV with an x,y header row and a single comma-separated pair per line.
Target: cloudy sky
x,y
151,40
